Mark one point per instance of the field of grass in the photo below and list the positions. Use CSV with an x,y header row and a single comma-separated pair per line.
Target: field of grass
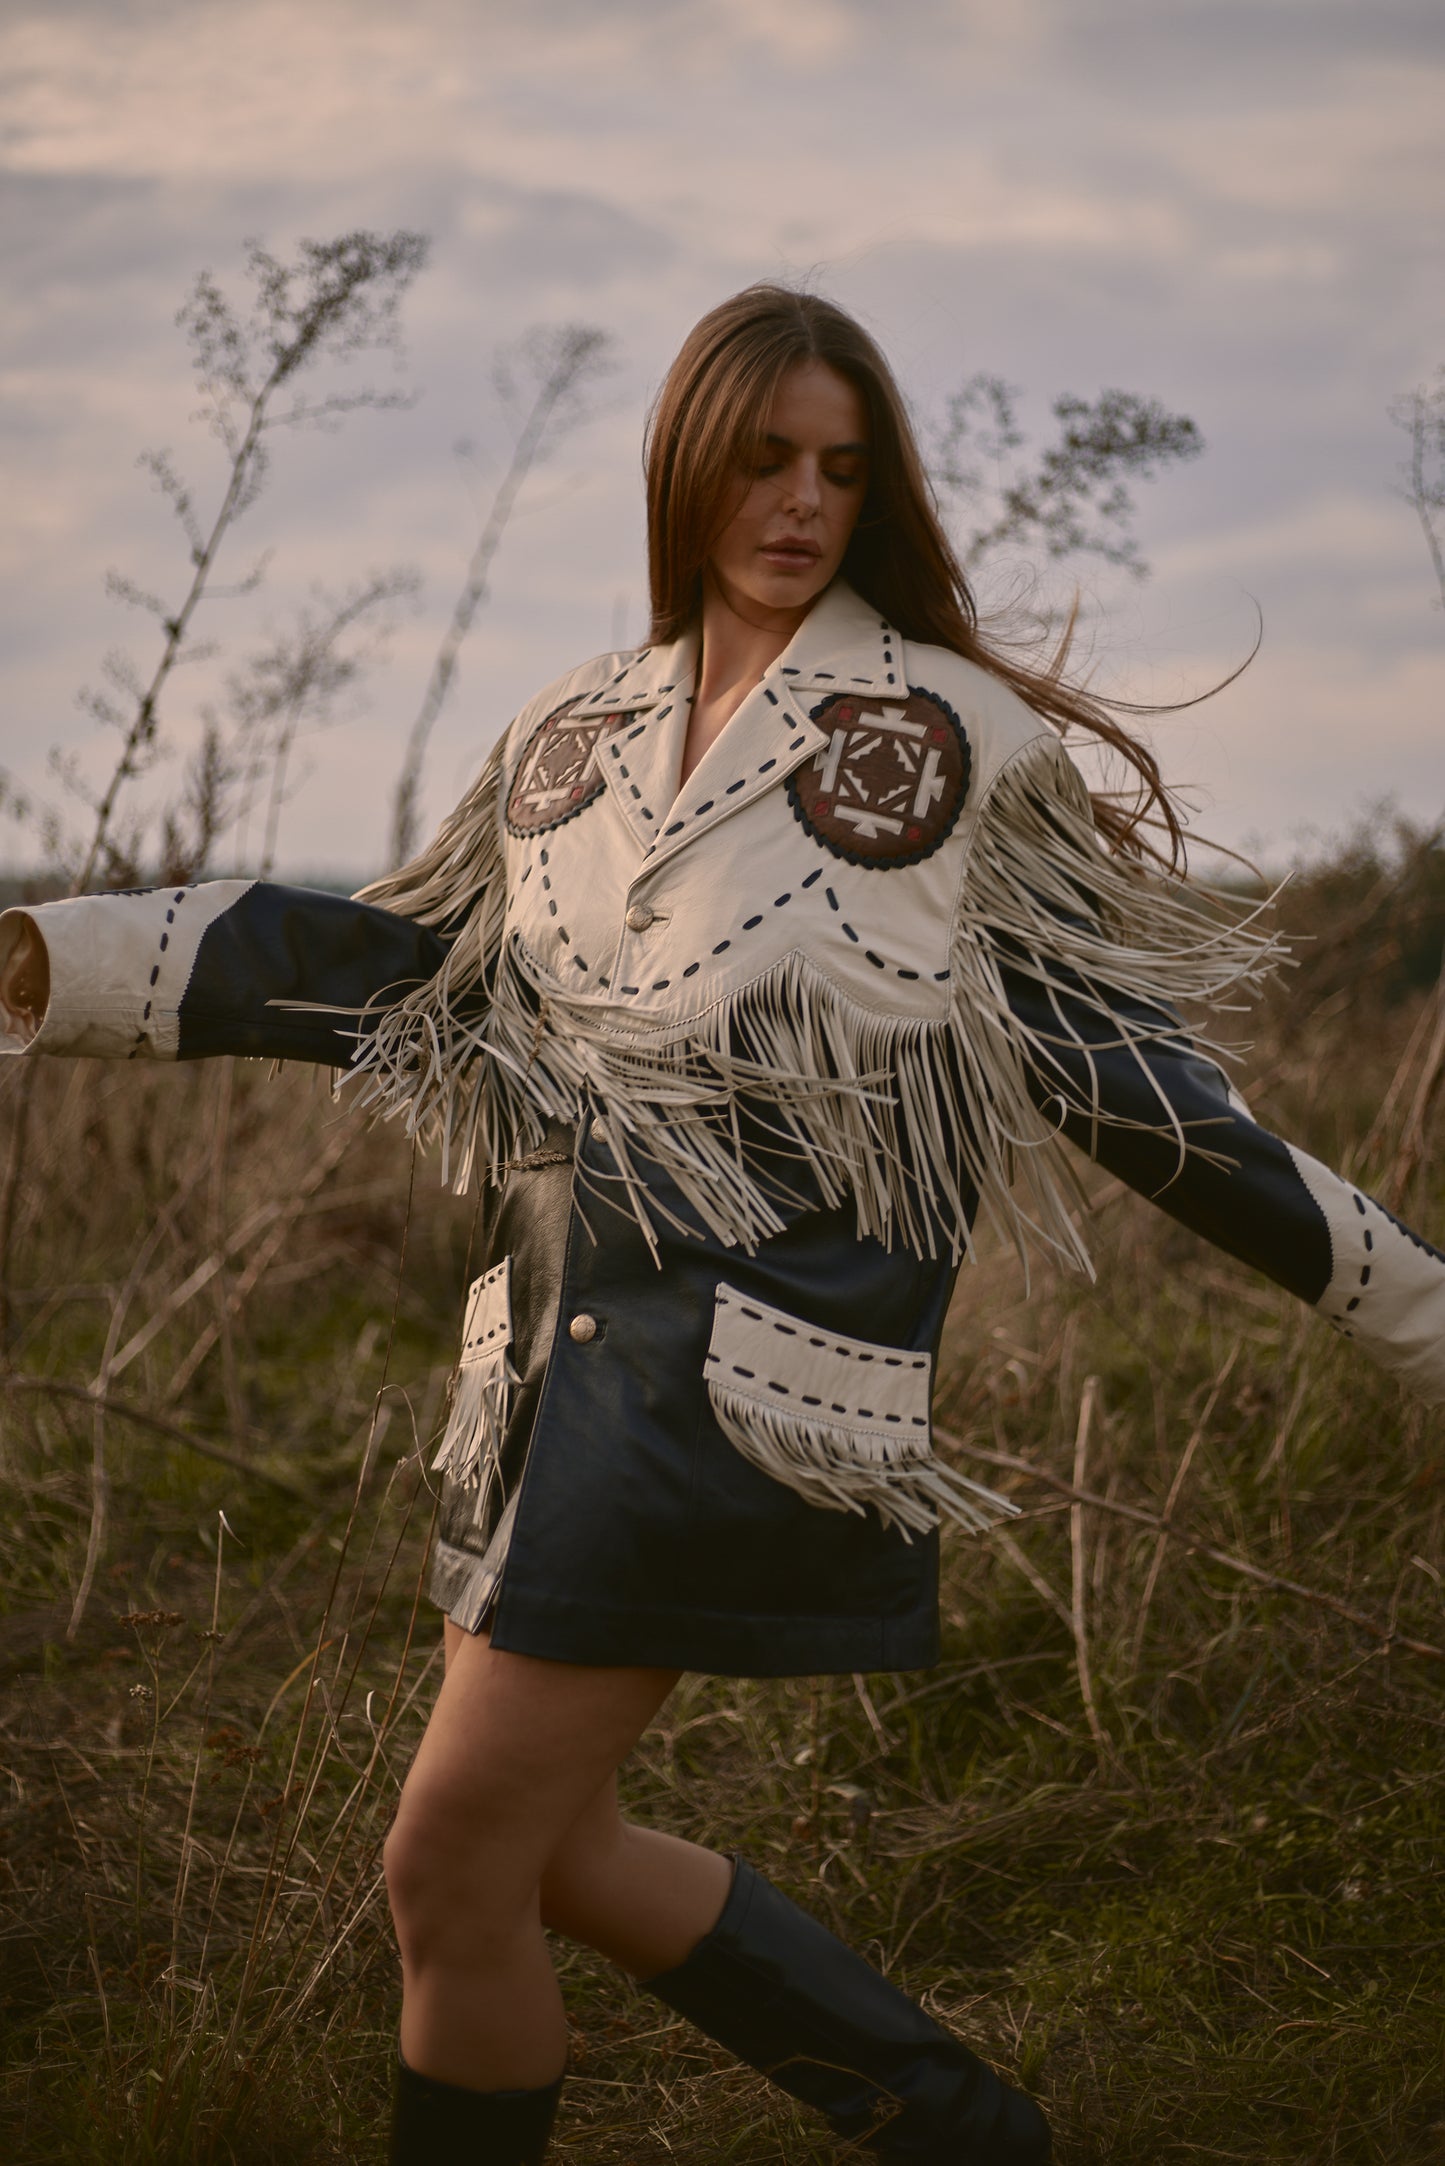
x,y
1163,1833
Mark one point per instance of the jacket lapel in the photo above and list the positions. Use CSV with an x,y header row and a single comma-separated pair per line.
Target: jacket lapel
x,y
641,761
842,645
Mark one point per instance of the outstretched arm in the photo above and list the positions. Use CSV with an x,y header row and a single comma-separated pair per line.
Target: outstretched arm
x,y
1128,1086
180,973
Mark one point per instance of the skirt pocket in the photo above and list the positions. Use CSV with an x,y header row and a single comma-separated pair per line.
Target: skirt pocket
x,y
843,1422
470,1451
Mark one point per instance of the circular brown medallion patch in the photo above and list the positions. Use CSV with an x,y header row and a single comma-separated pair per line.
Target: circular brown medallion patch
x,y
888,786
557,777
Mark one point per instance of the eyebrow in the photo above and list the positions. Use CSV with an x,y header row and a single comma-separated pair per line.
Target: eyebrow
x,y
830,451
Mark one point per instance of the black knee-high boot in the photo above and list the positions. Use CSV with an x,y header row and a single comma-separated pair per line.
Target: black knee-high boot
x,y
791,1999
441,2124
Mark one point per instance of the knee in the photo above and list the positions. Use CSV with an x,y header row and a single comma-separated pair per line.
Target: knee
x,y
448,1881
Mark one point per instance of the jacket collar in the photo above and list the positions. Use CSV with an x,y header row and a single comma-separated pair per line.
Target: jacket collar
x,y
842,645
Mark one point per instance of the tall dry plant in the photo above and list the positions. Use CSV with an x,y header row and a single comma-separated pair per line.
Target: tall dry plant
x,y
337,299
547,379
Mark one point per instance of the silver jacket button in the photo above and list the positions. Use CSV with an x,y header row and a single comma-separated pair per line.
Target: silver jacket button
x,y
582,1329
639,917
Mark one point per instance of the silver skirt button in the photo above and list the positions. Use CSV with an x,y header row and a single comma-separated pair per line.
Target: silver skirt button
x,y
639,917
583,1329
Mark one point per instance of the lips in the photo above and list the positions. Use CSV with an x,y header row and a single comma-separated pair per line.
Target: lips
x,y
788,551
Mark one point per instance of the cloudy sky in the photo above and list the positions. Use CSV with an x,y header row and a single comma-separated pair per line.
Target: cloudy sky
x,y
1234,205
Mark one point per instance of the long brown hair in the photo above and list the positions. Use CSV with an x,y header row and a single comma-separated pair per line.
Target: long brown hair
x,y
709,420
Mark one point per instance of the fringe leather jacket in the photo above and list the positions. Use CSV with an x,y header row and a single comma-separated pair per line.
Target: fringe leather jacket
x,y
872,952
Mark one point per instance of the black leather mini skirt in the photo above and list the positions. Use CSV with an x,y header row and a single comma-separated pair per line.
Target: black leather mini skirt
x,y
616,1521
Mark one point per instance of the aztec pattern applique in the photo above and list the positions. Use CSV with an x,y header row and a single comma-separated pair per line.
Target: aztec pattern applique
x,y
558,777
888,786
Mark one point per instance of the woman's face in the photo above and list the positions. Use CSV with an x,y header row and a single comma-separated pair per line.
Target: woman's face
x,y
798,506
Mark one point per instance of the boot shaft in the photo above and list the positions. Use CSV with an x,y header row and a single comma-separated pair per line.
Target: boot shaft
x,y
792,2000
443,2124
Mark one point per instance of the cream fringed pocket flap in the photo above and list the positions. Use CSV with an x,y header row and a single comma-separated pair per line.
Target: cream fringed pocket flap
x,y
470,1451
843,1422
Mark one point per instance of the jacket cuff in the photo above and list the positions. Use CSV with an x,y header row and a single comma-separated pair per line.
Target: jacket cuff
x,y
119,968
1387,1285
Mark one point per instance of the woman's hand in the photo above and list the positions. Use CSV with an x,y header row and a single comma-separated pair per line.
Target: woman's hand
x,y
25,984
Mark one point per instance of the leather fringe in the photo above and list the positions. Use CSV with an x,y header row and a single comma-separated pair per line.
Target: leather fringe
x,y
843,1472
911,1119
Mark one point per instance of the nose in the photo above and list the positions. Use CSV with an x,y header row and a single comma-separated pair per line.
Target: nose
x,y
802,491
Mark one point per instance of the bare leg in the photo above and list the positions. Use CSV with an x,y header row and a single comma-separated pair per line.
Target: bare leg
x,y
515,1750
641,1897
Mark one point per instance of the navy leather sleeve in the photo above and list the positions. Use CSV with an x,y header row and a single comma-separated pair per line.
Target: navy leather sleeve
x,y
298,944
1234,1182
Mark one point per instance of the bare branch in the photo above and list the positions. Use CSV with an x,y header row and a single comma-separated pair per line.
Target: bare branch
x,y
336,299
562,364
294,683
1072,497
1421,414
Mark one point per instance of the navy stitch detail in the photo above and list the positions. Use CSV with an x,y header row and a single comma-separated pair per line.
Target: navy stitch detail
x,y
170,917
749,923
692,970
779,900
721,945
699,810
629,988
815,875
155,973
734,786
849,930
876,960
766,765
676,828
1409,1233
832,898
660,985
902,973
770,695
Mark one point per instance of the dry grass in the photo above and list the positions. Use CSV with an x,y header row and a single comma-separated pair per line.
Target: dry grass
x,y
1162,1838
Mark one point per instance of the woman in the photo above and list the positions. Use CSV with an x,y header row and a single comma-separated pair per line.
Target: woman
x,y
756,967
